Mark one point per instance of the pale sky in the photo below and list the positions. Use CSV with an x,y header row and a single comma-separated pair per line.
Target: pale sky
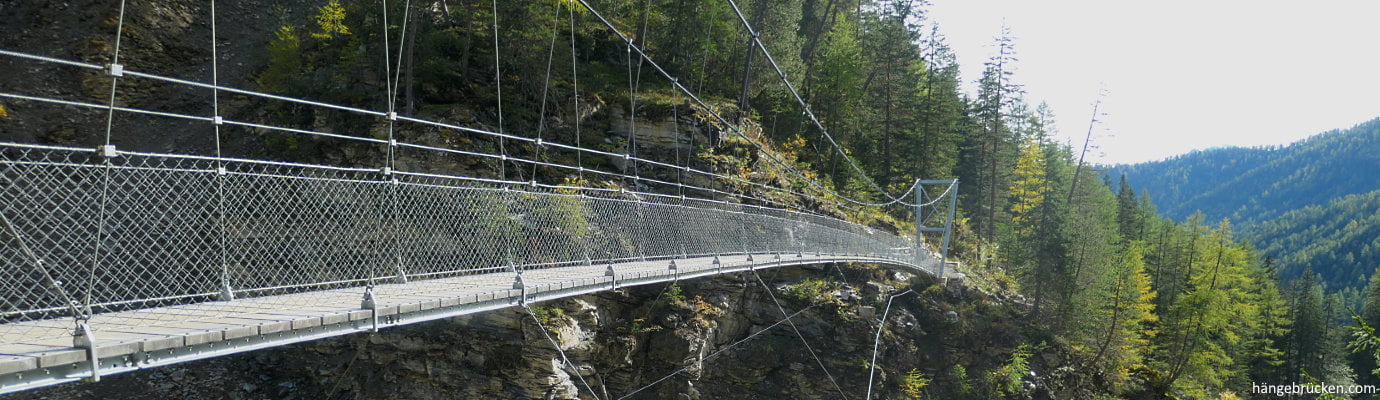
x,y
1182,74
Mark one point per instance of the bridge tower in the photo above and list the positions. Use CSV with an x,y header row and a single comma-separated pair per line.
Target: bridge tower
x,y
947,229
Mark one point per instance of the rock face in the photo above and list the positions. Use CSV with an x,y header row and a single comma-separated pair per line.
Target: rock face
x,y
711,338
666,133
168,38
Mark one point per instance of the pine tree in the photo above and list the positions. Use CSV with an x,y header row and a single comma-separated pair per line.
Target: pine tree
x,y
1129,312
1028,188
1128,212
991,149
1363,362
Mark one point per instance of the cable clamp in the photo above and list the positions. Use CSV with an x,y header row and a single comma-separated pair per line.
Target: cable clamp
x,y
217,120
392,142
402,273
117,70
503,157
392,115
540,143
226,292
386,171
108,151
221,171
755,34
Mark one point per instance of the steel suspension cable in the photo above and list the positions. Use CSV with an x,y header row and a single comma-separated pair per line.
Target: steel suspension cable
x,y
735,128
56,285
116,70
403,144
580,150
388,148
877,342
550,57
675,127
498,85
226,287
575,95
566,360
391,165
719,351
581,170
767,288
805,107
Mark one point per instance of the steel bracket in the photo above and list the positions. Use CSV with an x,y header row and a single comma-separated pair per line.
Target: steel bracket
x,y
83,338
371,302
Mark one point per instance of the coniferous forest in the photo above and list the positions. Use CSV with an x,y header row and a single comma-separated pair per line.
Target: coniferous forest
x,y
1312,210
1147,297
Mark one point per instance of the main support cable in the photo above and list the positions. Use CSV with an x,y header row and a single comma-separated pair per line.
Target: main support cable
x,y
717,352
767,288
805,107
566,360
735,128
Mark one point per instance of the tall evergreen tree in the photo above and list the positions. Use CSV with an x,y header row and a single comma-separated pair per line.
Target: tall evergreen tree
x,y
1363,362
991,149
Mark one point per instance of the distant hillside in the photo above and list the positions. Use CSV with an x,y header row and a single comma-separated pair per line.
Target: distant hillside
x,y
1291,201
1342,238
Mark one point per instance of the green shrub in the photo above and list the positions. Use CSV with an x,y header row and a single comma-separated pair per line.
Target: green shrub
x,y
913,384
674,295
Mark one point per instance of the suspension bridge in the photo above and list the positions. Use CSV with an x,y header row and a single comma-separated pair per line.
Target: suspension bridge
x,y
116,260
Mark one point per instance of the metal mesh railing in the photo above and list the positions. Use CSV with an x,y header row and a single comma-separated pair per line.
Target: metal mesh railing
x,y
138,231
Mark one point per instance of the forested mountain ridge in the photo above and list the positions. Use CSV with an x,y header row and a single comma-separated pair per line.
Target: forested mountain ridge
x,y
1340,239
1310,203
1251,185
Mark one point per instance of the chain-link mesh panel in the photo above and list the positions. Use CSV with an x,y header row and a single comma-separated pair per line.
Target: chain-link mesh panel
x,y
144,231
